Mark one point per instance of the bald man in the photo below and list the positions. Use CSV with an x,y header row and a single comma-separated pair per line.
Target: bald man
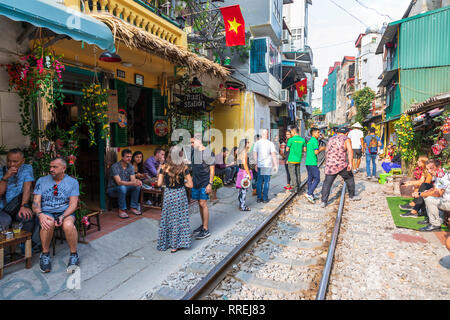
x,y
55,202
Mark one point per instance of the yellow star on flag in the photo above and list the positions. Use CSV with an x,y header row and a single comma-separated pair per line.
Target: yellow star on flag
x,y
234,25
302,88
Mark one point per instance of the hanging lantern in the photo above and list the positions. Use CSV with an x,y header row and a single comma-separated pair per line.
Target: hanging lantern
x,y
227,62
109,57
233,96
196,83
222,94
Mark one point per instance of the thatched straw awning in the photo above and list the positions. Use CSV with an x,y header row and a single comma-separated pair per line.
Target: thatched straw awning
x,y
134,37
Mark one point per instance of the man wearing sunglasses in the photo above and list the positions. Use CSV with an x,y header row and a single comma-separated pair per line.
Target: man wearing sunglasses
x,y
55,202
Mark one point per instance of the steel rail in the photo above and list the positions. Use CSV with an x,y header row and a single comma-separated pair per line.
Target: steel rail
x,y
218,273
323,286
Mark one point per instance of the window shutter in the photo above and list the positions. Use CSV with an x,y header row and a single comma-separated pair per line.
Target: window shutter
x,y
258,56
121,134
158,105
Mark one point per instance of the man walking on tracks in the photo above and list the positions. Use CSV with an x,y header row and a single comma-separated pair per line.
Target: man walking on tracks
x,y
371,144
312,151
339,159
295,146
266,156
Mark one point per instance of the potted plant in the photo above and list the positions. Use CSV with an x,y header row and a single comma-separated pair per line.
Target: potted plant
x,y
217,184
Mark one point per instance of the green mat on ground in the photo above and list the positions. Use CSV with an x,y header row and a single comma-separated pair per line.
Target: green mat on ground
x,y
400,222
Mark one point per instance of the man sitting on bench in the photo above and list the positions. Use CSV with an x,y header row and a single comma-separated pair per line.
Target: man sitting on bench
x,y
15,192
122,180
55,202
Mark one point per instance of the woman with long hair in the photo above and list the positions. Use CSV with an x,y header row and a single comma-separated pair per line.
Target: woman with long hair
x,y
422,183
244,172
174,229
137,160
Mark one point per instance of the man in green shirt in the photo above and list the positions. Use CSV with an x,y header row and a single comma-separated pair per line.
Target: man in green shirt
x,y
312,150
295,146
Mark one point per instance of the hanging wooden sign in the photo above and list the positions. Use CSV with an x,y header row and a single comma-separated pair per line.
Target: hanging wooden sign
x,y
194,101
113,106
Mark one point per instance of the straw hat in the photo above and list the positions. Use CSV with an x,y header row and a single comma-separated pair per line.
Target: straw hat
x,y
357,125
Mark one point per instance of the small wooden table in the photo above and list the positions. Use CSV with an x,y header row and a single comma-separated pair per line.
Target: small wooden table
x,y
22,237
156,197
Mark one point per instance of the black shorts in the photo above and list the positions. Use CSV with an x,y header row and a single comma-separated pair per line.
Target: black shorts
x,y
357,153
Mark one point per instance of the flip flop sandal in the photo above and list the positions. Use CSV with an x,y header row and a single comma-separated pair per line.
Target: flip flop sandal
x,y
173,250
245,209
123,216
139,213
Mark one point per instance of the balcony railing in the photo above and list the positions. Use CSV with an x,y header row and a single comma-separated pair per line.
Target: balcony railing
x,y
136,12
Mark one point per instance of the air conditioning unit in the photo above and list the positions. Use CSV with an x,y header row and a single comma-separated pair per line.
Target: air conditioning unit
x,y
284,96
286,47
285,36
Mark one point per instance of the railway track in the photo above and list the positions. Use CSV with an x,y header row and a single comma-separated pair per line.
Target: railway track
x,y
288,256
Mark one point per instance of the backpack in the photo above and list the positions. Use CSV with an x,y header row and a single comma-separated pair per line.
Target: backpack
x,y
373,145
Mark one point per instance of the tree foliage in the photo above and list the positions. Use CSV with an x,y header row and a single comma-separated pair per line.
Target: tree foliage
x,y
363,101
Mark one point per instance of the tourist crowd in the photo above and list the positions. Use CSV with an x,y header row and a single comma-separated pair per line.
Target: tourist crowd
x,y
247,166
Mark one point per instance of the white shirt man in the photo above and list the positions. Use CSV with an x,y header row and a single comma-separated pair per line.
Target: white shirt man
x,y
357,138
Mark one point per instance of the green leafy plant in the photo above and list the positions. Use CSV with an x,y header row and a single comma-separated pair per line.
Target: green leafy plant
x,y
363,101
94,112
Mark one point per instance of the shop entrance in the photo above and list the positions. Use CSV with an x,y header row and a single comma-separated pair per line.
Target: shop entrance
x,y
87,163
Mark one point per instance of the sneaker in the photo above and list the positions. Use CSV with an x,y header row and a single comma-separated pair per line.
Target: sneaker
x,y
259,200
266,201
323,204
149,203
317,197
355,198
369,178
203,234
74,263
424,222
45,262
405,207
198,230
409,215
430,228
310,198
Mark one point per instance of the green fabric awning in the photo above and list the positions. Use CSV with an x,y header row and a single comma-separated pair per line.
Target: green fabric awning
x,y
61,20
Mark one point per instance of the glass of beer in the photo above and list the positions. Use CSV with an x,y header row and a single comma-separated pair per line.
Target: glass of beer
x,y
17,227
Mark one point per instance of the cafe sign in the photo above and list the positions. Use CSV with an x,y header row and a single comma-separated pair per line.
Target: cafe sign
x,y
194,101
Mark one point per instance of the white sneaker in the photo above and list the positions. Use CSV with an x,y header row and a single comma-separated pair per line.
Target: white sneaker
x,y
310,198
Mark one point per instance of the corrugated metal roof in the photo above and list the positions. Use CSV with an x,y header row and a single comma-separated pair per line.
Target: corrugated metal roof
x,y
436,101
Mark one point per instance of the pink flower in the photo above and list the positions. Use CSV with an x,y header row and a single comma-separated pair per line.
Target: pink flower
x,y
85,221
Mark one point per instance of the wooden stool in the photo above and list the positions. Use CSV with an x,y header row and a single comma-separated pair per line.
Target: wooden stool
x,y
22,237
156,195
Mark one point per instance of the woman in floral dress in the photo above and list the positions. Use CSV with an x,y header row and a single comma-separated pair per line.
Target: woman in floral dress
x,y
174,229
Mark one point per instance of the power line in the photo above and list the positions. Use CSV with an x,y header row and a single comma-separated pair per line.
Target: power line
x,y
332,45
349,13
373,9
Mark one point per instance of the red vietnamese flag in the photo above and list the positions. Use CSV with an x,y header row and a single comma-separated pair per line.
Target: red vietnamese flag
x,y
234,25
301,87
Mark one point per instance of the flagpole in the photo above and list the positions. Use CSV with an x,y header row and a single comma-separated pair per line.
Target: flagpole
x,y
190,14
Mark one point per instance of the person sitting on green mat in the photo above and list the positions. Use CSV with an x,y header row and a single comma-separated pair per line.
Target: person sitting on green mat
x,y
437,198
423,183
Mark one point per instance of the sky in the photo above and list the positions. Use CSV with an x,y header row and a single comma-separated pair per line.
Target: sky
x,y
333,32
